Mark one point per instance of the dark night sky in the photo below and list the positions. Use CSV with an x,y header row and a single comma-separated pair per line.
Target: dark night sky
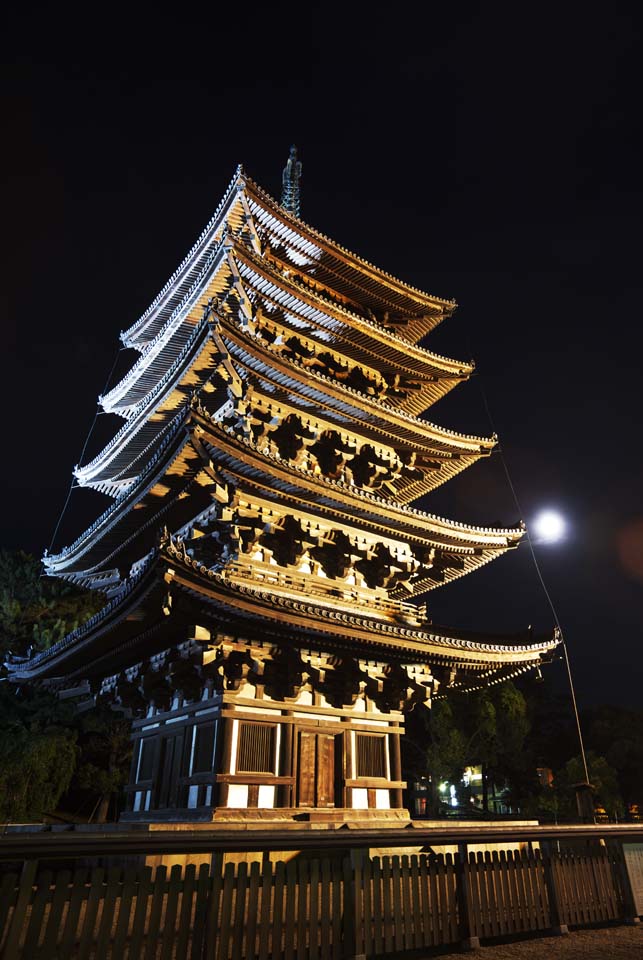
x,y
490,154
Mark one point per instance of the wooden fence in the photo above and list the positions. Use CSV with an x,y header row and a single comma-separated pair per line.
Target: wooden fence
x,y
318,907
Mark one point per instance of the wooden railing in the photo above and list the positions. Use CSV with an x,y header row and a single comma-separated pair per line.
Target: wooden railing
x,y
329,903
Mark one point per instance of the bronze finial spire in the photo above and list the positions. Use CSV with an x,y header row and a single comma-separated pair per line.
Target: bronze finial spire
x,y
290,183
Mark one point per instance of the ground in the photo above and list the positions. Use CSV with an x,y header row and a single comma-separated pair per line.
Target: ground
x,y
607,943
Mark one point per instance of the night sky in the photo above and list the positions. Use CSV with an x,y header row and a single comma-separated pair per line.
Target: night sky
x,y
488,154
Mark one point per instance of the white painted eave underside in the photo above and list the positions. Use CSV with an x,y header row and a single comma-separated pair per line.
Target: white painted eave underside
x,y
124,458
377,284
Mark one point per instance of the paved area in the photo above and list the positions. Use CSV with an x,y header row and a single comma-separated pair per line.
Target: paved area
x,y
609,943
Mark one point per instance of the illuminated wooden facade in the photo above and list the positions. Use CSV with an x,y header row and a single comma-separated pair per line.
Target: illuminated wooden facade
x,y
260,557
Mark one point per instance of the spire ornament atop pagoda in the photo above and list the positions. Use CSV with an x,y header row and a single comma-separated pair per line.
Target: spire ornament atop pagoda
x,y
290,196
264,566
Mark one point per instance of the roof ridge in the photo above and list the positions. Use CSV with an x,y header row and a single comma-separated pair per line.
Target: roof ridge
x,y
482,441
239,177
294,221
400,342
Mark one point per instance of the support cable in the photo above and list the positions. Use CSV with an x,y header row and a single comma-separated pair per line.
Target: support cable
x,y
542,581
82,452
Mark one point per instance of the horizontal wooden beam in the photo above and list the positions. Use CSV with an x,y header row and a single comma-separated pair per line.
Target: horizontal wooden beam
x,y
208,838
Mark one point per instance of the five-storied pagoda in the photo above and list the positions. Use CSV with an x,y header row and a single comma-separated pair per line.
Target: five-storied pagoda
x,y
260,556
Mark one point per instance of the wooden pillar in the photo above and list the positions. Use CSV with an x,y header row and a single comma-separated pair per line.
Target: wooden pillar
x,y
397,800
285,791
467,940
555,922
347,765
226,759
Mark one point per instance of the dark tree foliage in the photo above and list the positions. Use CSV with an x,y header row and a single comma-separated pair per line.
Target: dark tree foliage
x,y
46,748
512,731
104,759
37,611
487,727
38,753
616,733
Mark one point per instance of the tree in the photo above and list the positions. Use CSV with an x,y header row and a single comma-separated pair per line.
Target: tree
x,y
603,778
105,756
486,728
38,733
37,754
617,734
36,611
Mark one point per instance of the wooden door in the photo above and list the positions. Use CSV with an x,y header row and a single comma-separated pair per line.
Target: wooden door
x,y
316,762
170,771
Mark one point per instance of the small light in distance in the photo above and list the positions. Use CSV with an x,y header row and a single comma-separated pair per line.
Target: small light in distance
x,y
549,526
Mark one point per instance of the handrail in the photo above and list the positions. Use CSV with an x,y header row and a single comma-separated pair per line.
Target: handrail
x,y
209,838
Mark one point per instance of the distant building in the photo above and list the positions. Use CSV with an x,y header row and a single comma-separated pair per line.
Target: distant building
x,y
260,557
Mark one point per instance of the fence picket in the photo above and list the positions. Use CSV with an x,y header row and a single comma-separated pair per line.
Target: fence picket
x,y
452,899
58,901
497,893
415,898
325,920
364,926
143,890
88,923
313,911
483,916
112,890
436,923
387,905
171,908
239,921
538,886
266,896
523,894
428,904
41,896
378,910
251,913
407,914
398,930
608,882
156,907
223,939
441,879
76,897
203,886
124,912
337,908
23,899
291,893
492,902
8,893
302,910
185,916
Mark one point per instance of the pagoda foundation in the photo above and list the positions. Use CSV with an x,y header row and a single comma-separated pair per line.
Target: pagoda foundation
x,y
248,733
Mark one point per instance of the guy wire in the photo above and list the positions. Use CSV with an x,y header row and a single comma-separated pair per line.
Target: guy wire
x,y
540,578
82,452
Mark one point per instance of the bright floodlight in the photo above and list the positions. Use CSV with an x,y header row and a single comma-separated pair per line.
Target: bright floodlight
x,y
549,526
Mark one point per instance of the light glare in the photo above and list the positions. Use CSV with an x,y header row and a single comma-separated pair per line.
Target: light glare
x,y
549,526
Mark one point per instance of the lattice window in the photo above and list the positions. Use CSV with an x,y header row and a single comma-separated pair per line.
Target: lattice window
x,y
371,755
256,749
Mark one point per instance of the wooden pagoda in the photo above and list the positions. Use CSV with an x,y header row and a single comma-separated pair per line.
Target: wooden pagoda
x,y
260,556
